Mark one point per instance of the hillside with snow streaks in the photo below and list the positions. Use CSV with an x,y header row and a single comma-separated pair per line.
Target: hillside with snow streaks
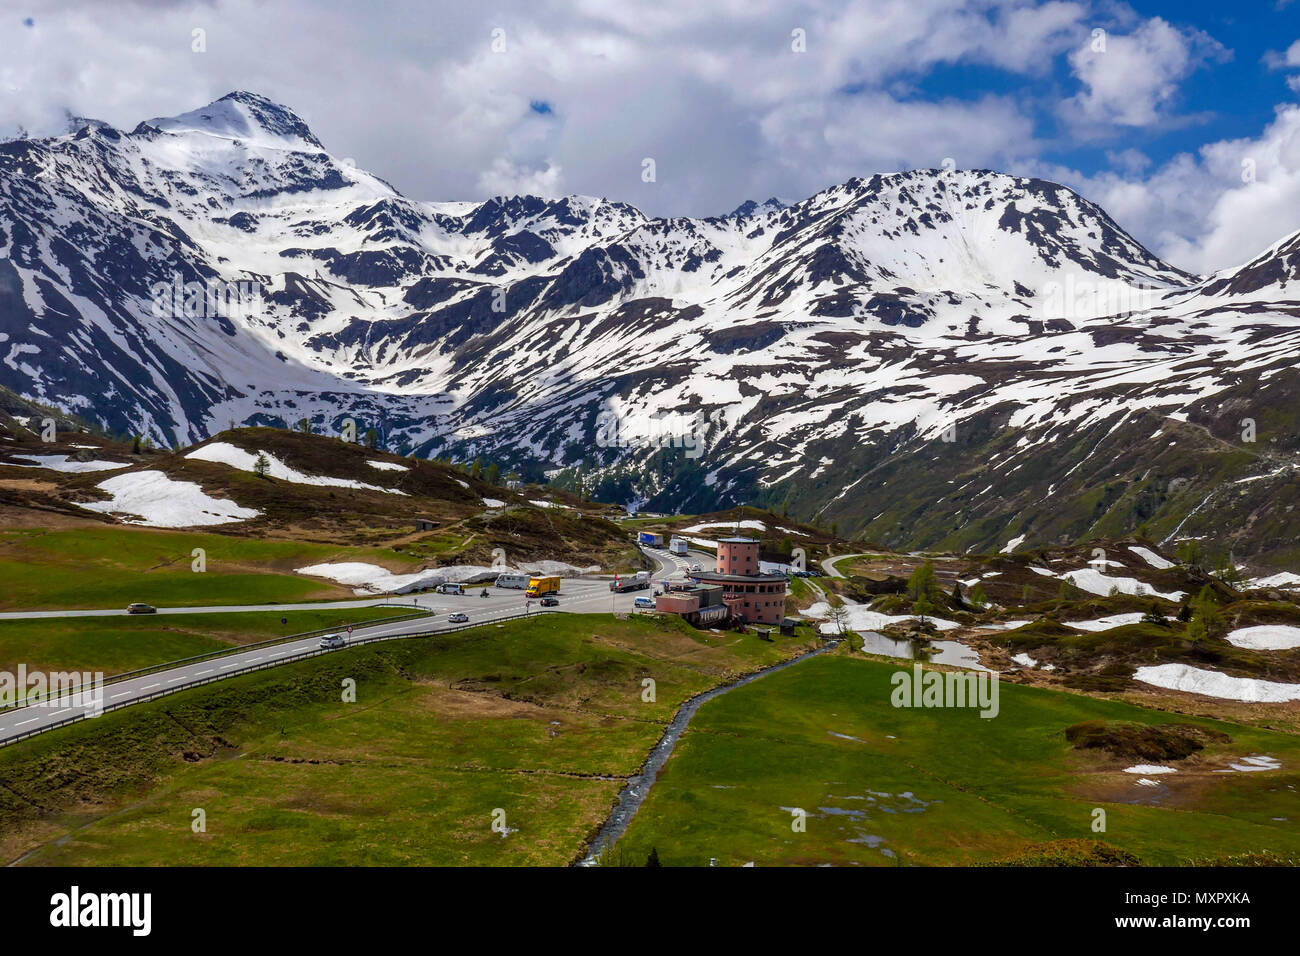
x,y
926,358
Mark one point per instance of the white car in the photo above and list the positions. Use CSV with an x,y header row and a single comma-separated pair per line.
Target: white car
x,y
459,618
330,641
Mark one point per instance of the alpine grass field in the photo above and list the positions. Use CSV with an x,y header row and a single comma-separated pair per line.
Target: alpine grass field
x,y
545,719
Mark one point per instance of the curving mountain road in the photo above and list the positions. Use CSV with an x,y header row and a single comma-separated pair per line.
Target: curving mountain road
x,y
577,596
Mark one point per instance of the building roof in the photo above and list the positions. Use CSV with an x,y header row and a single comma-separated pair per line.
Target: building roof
x,y
738,578
738,541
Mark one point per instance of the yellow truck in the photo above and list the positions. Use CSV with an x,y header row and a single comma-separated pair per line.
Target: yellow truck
x,y
539,586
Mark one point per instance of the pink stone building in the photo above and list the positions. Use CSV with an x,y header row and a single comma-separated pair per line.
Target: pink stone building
x,y
751,596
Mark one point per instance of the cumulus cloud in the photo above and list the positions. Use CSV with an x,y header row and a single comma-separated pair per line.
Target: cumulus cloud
x,y
850,135
733,100
1215,209
504,178
440,102
1133,79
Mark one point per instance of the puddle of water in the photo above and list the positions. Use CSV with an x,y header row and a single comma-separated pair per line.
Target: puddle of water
x,y
841,812
867,839
957,654
940,652
873,643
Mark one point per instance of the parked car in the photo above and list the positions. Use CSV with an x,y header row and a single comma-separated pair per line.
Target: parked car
x,y
459,618
550,602
645,602
330,641
139,608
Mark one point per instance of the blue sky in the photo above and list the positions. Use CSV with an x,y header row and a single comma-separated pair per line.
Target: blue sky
x,y
1184,124
1225,96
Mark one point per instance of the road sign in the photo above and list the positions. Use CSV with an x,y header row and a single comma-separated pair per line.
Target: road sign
x,y
349,628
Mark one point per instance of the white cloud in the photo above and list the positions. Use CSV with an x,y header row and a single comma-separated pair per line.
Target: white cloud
x,y
713,92
1287,59
1133,79
505,178
423,99
868,132
1213,210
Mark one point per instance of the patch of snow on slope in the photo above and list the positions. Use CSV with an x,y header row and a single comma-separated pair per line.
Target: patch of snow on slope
x,y
1147,768
1195,680
1095,582
755,525
1012,544
64,463
1266,637
1106,623
1283,579
371,577
162,502
387,466
1151,558
224,453
862,618
1255,763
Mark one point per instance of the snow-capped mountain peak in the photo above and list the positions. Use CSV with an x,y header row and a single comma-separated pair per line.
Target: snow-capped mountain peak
x,y
249,118
864,319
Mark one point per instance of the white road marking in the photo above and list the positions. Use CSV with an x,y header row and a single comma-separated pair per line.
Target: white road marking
x,y
116,696
32,721
151,686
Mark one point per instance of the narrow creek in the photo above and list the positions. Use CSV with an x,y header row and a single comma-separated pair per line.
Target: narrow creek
x,y
638,788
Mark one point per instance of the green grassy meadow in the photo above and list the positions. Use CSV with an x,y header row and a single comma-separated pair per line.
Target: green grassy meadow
x,y
543,719
111,567
942,786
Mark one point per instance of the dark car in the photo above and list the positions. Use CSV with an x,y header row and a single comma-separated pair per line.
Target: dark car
x,y
550,602
139,608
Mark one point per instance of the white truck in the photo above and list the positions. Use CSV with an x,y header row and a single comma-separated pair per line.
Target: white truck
x,y
679,546
518,581
633,582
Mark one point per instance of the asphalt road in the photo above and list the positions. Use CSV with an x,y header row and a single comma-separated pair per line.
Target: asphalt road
x,y
577,596
214,609
828,565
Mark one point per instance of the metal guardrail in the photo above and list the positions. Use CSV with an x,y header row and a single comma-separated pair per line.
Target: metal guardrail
x,y
226,652
263,665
